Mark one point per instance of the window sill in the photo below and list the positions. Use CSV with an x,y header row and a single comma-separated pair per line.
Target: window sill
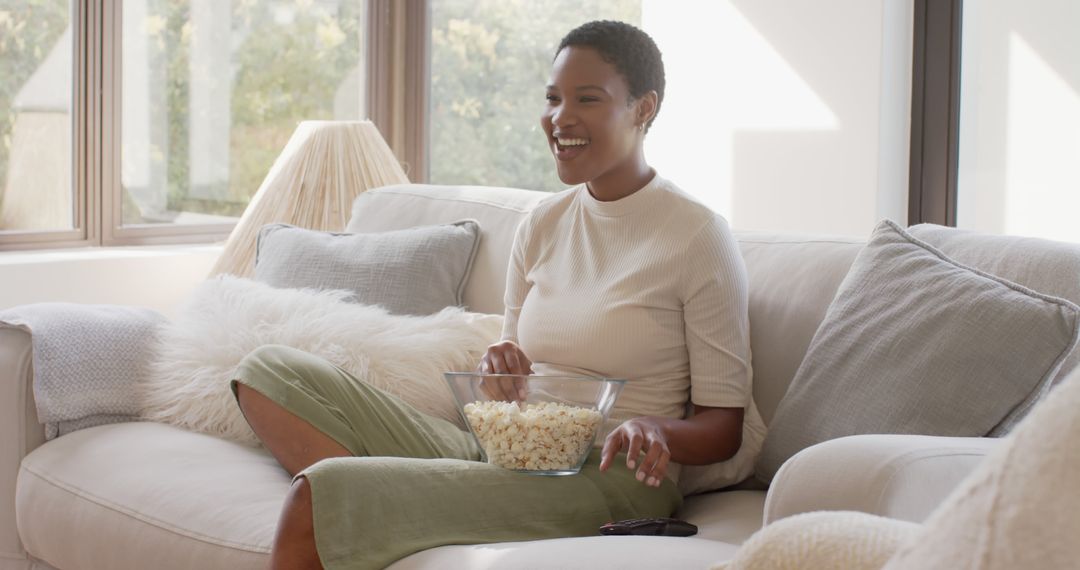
x,y
38,256
154,276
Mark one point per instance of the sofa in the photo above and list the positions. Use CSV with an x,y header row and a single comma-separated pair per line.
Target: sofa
x,y
140,495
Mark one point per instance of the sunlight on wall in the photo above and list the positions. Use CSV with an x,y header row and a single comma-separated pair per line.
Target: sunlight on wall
x,y
1042,177
1020,119
739,83
783,116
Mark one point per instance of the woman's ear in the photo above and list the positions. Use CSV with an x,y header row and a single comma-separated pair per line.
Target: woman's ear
x,y
646,107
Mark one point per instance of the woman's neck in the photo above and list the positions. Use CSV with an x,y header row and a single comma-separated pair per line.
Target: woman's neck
x,y
622,181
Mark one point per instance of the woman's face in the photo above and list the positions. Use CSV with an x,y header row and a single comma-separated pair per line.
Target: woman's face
x,y
591,127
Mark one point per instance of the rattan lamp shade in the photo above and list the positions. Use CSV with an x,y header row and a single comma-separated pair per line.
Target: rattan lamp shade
x,y
312,185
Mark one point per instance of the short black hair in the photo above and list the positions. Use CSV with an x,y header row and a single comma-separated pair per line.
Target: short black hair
x,y
633,53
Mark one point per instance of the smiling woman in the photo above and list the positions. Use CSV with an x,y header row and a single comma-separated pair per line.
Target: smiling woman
x,y
622,276
601,99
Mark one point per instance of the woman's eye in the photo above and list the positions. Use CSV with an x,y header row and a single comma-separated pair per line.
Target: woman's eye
x,y
552,98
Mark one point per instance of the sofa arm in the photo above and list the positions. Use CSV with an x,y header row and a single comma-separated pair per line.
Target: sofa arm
x,y
20,433
898,476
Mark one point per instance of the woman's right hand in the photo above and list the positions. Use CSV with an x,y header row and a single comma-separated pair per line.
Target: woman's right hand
x,y
505,357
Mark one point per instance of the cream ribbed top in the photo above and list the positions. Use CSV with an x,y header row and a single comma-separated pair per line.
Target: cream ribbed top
x,y
651,288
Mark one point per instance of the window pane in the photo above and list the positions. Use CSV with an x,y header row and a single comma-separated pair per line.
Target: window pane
x,y
36,190
780,115
490,61
1019,163
213,89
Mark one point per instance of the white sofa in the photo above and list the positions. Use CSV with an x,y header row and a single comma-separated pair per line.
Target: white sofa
x,y
150,496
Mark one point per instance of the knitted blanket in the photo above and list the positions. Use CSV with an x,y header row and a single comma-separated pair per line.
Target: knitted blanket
x,y
86,361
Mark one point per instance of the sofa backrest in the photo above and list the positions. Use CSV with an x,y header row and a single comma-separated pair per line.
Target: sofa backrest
x,y
498,210
792,278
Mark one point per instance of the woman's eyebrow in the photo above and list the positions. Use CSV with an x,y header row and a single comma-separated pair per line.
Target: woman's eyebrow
x,y
581,88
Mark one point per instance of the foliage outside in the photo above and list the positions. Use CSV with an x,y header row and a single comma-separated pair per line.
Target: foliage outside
x,y
28,31
490,61
289,58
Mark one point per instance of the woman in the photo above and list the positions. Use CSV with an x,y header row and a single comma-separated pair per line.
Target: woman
x,y
623,275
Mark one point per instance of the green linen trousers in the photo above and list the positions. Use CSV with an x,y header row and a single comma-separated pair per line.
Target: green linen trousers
x,y
417,482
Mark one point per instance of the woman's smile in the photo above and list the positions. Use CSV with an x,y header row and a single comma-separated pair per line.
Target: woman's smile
x,y
594,126
567,147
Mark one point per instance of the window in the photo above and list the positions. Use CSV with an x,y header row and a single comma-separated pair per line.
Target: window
x,y
490,60
36,186
822,88
1019,162
187,104
212,91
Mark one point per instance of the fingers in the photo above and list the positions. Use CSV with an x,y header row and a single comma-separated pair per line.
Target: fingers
x,y
513,363
654,464
646,450
502,388
505,358
612,445
633,449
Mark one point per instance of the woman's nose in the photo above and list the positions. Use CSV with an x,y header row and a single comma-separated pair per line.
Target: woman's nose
x,y
560,117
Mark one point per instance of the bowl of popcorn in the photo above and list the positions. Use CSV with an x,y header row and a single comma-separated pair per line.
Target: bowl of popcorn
x,y
541,425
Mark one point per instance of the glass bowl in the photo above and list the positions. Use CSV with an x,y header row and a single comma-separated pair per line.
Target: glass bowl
x,y
547,427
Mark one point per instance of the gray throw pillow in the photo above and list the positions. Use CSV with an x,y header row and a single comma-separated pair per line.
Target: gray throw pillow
x,y
1050,267
416,271
916,343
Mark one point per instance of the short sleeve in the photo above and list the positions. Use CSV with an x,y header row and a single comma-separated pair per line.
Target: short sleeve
x,y
716,314
517,287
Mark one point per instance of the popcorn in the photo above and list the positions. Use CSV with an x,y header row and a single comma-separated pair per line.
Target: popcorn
x,y
545,436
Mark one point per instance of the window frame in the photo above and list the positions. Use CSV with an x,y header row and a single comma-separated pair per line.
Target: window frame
x,y
84,18
935,112
97,192
397,98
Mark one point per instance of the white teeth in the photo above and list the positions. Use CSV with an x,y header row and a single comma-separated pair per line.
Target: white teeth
x,y
572,142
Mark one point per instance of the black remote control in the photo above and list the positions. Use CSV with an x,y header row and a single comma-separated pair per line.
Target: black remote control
x,y
649,527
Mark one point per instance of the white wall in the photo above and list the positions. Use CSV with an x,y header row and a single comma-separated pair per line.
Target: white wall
x,y
157,277
1020,118
784,115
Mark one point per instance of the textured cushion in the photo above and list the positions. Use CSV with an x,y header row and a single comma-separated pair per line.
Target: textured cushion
x,y
415,271
917,343
1050,267
499,211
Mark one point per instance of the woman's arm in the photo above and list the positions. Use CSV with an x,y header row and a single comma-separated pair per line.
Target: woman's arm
x,y
709,436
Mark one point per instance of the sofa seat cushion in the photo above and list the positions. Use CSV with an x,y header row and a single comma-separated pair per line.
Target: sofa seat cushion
x,y
726,516
585,553
148,495
724,520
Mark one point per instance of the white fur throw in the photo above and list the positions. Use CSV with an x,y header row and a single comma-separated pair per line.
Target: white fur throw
x,y
228,317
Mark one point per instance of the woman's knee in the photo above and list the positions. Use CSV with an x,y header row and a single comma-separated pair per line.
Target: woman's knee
x,y
294,543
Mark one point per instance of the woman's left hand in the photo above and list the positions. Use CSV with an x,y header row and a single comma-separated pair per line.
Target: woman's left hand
x,y
636,436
